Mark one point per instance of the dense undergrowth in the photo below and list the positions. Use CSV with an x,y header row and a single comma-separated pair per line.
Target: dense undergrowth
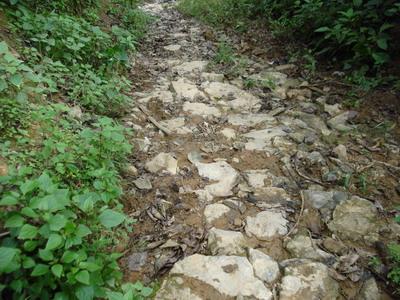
x,y
63,79
361,35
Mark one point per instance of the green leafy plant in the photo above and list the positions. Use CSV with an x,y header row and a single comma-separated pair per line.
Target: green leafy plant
x,y
14,117
16,78
225,54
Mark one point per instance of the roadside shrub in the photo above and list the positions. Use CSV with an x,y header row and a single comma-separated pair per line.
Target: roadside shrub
x,y
13,117
60,206
359,32
17,80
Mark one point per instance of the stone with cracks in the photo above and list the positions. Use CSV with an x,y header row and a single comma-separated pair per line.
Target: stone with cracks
x,y
251,120
173,48
302,246
228,276
234,97
162,162
315,123
265,268
176,125
225,242
325,202
356,220
190,67
266,225
201,109
305,279
229,133
215,211
223,173
186,90
261,139
340,121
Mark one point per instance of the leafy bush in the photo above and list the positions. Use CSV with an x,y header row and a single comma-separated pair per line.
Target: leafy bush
x,y
358,32
394,255
220,12
13,117
72,6
16,78
61,209
59,202
99,93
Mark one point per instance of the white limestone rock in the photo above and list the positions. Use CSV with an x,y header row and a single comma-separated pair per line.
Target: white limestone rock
x,y
266,225
265,268
226,242
162,162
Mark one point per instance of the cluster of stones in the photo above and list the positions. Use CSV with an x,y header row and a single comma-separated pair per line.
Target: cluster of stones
x,y
240,232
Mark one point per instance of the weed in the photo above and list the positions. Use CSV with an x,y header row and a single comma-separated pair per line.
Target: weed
x,y
225,54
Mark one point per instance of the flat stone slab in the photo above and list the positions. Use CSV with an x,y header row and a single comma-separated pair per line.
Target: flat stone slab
x,y
201,109
191,67
176,125
215,211
250,119
265,268
223,173
162,162
226,242
231,95
229,276
262,139
186,90
305,279
173,48
266,225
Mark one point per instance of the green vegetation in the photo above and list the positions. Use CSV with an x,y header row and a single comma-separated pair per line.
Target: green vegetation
x,y
59,201
360,34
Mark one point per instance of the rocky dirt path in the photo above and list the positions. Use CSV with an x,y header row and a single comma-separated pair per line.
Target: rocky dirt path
x,y
223,182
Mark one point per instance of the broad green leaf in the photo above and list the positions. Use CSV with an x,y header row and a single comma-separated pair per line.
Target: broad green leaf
x,y
16,80
146,291
68,257
54,241
6,257
382,43
114,295
58,200
45,183
29,212
30,245
28,186
46,255
90,266
57,222
110,218
83,277
40,270
61,296
82,231
84,292
28,262
8,200
57,270
3,47
15,220
27,232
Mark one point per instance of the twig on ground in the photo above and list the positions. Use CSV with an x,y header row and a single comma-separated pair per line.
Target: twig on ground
x,y
306,177
154,121
3,234
300,215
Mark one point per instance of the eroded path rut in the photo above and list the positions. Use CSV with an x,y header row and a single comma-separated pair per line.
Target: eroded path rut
x,y
220,189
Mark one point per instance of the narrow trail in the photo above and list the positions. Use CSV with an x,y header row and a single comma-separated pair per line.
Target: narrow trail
x,y
221,184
